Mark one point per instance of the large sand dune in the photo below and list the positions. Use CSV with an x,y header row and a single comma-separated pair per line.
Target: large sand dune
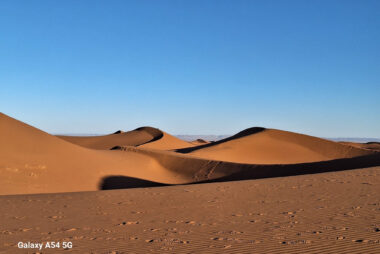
x,y
269,146
32,161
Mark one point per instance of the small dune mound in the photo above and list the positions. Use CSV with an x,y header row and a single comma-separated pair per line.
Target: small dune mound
x,y
136,137
374,146
269,146
199,142
373,143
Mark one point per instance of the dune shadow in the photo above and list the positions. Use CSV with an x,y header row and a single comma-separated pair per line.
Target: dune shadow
x,y
156,133
269,171
239,171
241,134
124,182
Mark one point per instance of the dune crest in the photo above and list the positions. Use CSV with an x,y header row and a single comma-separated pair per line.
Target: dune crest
x,y
135,137
199,141
143,136
167,142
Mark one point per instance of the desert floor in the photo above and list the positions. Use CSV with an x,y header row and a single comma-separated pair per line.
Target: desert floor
x,y
335,212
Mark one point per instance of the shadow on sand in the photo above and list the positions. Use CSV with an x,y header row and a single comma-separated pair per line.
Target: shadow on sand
x,y
124,182
251,171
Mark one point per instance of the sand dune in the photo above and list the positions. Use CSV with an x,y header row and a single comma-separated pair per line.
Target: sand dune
x,y
167,142
269,146
199,141
147,136
32,161
375,146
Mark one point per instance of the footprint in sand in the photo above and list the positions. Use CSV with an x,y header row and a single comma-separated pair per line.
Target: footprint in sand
x,y
19,217
361,241
151,240
254,241
55,217
70,229
6,232
124,223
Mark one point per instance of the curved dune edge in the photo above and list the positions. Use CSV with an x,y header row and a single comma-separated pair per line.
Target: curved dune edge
x,y
32,161
143,136
270,146
167,142
201,170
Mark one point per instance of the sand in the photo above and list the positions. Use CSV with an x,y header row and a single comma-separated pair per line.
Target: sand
x,y
259,191
336,212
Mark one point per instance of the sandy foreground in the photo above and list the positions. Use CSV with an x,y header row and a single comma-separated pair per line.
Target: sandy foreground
x,y
336,212
259,191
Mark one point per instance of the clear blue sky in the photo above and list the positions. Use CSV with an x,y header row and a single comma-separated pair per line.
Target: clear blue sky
x,y
192,67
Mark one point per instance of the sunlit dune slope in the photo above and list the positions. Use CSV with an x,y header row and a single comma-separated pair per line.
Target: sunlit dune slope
x,y
269,146
32,161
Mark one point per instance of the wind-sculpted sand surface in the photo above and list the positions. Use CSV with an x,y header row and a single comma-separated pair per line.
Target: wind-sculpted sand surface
x,y
336,212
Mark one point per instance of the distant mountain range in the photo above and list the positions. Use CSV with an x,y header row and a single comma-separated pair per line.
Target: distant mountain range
x,y
219,137
205,137
358,140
